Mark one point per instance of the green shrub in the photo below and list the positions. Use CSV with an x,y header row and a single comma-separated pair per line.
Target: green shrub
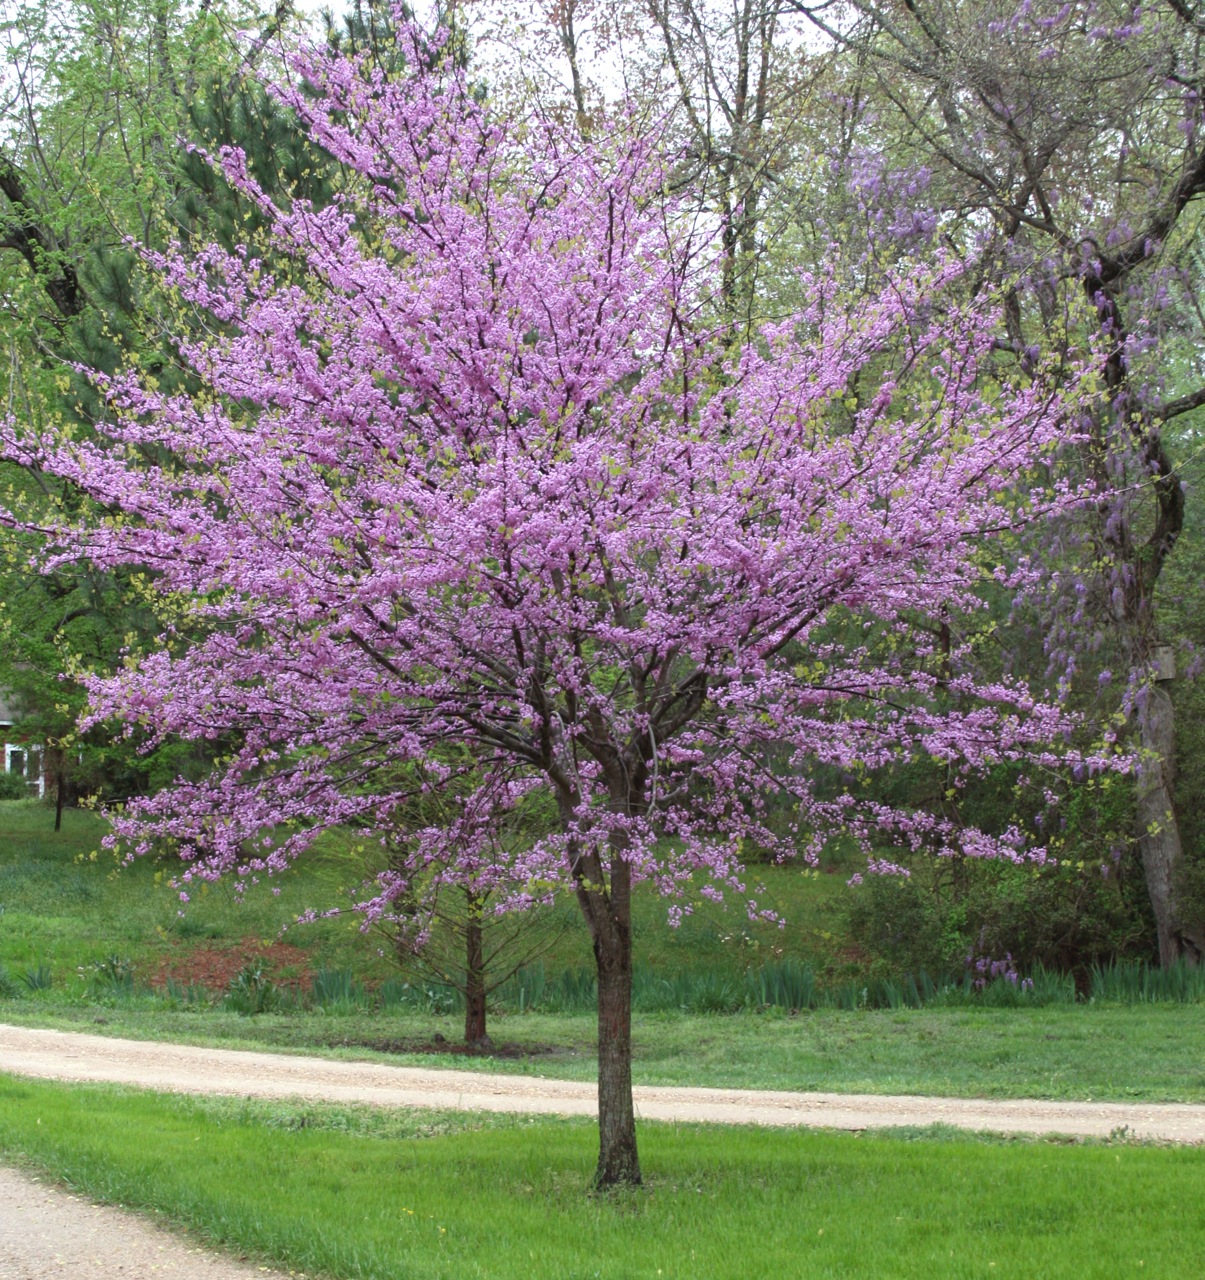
x,y
251,991
13,787
1065,917
1190,885
903,924
112,976
37,979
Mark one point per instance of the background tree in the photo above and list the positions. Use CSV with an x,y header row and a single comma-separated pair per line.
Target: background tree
x,y
448,925
1068,137
734,91
97,97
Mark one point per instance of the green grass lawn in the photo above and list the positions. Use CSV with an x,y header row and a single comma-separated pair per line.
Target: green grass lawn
x,y
361,1193
324,1191
67,904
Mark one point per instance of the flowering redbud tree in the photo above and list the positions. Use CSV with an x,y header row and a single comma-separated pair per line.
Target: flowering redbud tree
x,y
465,476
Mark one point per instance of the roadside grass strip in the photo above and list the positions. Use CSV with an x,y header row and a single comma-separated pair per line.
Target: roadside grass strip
x,y
354,1193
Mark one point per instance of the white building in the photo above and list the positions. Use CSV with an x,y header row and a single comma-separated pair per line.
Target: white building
x,y
20,757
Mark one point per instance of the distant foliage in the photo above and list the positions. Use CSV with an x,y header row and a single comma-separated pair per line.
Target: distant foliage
x,y
13,787
1066,916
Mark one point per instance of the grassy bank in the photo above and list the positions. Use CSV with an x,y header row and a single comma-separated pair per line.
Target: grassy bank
x,y
76,925
67,905
510,1200
1150,1053
63,911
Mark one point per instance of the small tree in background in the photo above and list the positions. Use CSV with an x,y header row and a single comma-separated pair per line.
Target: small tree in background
x,y
447,921
485,473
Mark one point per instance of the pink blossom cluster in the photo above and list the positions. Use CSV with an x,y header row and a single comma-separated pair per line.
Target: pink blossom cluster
x,y
477,495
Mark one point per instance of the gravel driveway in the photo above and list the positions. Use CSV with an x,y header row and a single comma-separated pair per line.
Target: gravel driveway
x,y
177,1068
48,1233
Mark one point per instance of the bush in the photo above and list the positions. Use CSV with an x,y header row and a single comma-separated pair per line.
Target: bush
x,y
1066,916
13,787
1190,886
251,991
112,976
902,925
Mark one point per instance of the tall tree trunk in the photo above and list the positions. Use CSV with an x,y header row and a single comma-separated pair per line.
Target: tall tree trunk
x,y
1139,565
60,786
618,1162
475,1034
1158,830
603,887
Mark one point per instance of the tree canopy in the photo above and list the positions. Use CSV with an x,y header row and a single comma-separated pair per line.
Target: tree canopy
x,y
465,458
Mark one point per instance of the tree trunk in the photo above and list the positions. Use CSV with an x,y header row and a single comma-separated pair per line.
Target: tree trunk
x,y
1158,830
1138,567
604,893
56,761
618,1163
475,1034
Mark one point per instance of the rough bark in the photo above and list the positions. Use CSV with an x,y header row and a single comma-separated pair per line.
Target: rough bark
x,y
1159,833
604,893
618,1161
1140,564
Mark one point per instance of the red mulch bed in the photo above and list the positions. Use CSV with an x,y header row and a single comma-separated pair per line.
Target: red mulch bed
x,y
213,966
